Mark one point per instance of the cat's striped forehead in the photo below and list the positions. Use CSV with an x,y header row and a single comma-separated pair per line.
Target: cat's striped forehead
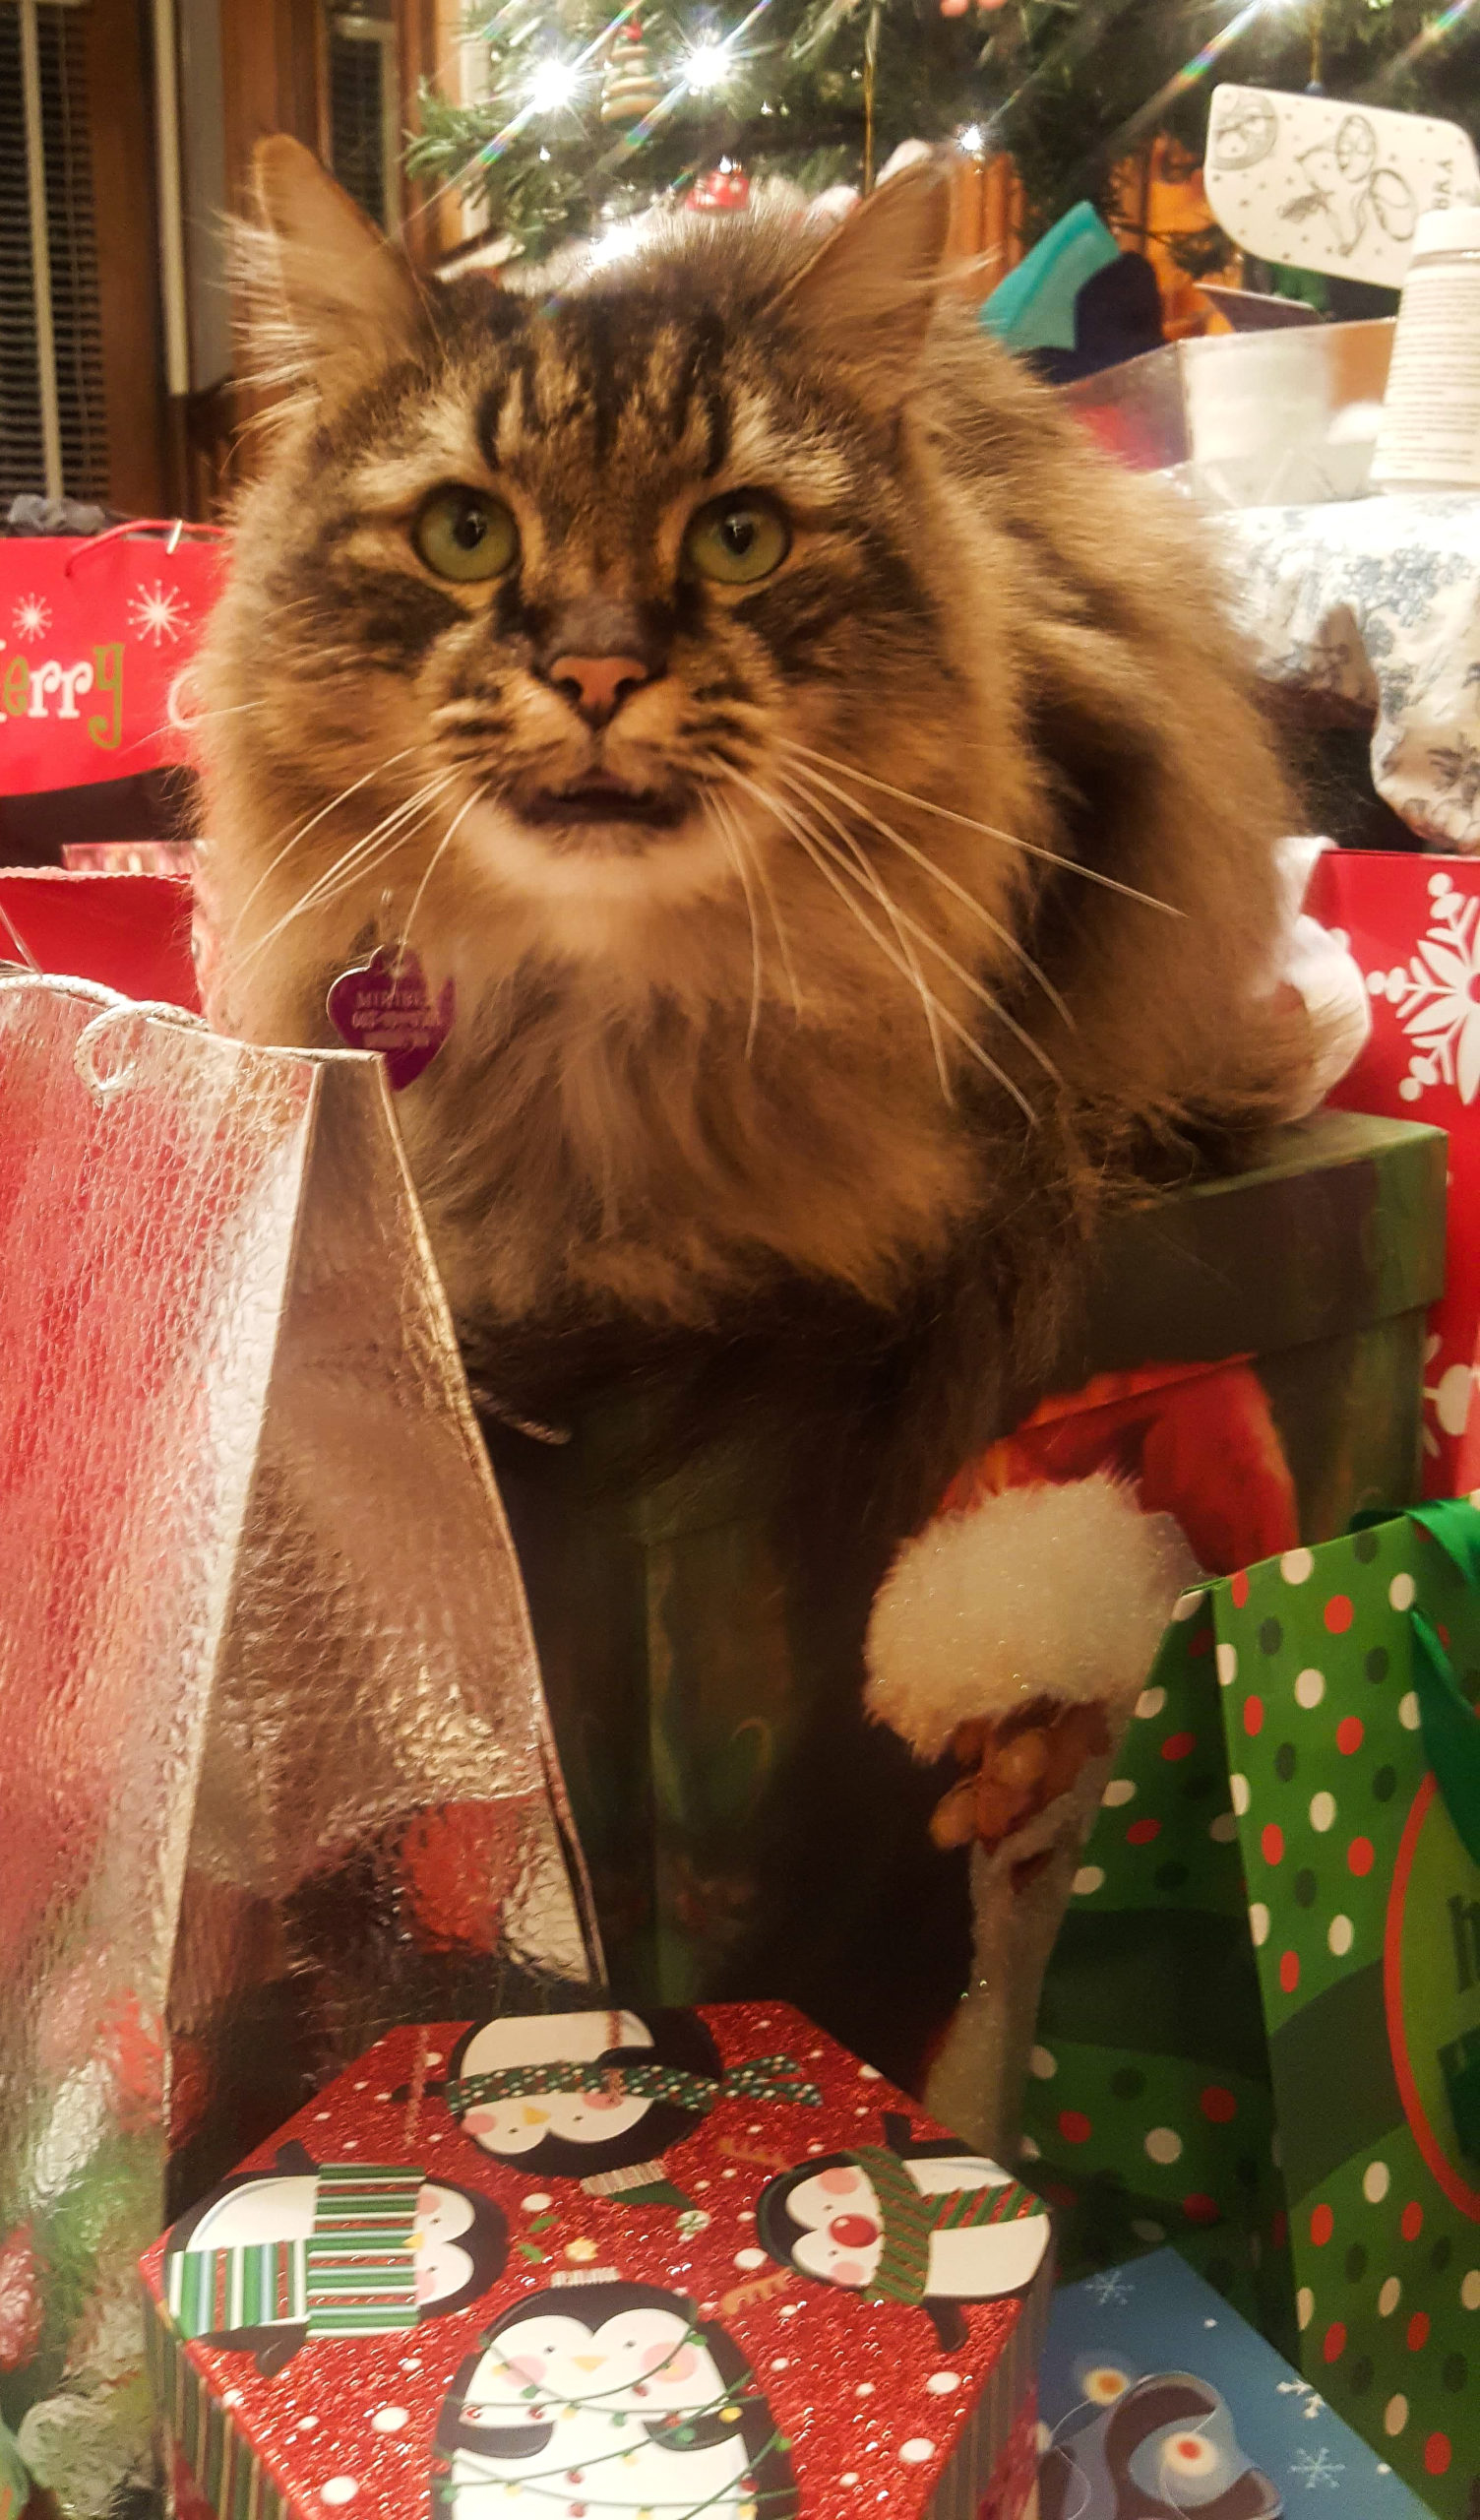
x,y
590,403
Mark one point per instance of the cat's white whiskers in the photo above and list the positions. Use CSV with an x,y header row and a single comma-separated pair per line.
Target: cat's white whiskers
x,y
416,817
880,892
356,862
933,944
783,942
303,830
791,822
387,834
806,776
785,816
463,811
971,822
734,844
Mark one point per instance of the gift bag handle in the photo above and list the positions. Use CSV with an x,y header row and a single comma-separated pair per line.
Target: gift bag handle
x,y
173,527
1451,1726
102,1084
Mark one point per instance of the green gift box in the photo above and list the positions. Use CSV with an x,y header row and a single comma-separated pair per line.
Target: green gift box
x,y
700,1632
1261,2030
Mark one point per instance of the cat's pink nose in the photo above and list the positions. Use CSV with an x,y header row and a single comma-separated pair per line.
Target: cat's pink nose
x,y
598,685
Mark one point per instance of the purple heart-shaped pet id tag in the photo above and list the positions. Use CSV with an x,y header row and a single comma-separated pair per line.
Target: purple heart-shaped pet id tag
x,y
385,1005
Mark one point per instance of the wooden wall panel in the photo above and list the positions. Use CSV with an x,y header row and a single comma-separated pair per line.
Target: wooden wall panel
x,y
273,76
120,111
273,64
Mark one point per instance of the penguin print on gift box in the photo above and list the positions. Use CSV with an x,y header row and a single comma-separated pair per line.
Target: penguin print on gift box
x,y
615,2395
603,2095
927,2225
327,2249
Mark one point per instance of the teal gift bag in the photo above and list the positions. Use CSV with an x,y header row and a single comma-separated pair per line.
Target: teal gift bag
x,y
1259,2035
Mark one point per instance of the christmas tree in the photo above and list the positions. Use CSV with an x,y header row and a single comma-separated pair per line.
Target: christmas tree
x,y
583,114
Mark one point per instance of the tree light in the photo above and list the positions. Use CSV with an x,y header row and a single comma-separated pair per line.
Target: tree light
x,y
709,66
972,139
553,85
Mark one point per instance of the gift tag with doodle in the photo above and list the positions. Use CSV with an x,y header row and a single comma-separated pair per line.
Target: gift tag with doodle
x,y
1328,186
386,1005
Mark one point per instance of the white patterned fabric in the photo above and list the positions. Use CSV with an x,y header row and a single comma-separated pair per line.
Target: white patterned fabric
x,y
1378,603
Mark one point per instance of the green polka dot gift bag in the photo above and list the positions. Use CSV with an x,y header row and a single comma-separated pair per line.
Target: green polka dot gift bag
x,y
1260,2034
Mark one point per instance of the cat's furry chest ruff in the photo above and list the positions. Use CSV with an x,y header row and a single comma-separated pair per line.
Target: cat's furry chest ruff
x,y
648,1155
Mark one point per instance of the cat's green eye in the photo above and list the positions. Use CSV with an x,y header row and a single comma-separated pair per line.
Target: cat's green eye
x,y
467,535
736,540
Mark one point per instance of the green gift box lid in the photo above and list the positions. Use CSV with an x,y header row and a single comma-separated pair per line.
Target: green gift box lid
x,y
1340,1228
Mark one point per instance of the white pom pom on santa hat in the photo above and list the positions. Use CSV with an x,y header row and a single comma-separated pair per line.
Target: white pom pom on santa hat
x,y
1038,1592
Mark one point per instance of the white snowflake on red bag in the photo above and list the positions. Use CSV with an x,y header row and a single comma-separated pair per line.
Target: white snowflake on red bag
x,y
1449,1398
1437,999
31,618
159,613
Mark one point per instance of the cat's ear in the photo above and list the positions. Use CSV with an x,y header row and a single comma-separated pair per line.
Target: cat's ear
x,y
869,292
327,288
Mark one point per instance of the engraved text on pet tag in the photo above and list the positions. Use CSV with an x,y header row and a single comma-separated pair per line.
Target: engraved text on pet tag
x,y
385,1005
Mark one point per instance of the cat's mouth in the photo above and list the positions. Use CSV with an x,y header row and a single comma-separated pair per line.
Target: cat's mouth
x,y
601,799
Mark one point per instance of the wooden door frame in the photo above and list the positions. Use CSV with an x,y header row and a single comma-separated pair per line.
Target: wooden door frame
x,y
121,143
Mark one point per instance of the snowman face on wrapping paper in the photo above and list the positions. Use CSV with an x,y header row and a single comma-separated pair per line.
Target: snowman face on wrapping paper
x,y
575,2134
457,2243
622,2390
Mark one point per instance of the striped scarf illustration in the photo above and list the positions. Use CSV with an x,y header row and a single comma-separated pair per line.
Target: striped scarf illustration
x,y
633,2078
911,2218
355,2274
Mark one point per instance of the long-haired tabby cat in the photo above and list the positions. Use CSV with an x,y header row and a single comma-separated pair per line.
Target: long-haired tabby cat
x,y
830,784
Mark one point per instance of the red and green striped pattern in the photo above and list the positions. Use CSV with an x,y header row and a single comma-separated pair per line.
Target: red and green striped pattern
x,y
210,2291
222,2463
361,2276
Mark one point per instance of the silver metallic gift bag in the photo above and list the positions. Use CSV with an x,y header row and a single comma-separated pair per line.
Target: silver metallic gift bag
x,y
275,1769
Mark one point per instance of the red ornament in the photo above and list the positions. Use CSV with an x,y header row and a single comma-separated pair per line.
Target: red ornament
x,y
727,188
459,1864
131,2046
21,2314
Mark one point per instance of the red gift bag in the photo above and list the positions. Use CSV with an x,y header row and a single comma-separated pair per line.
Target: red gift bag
x,y
1413,924
129,932
97,634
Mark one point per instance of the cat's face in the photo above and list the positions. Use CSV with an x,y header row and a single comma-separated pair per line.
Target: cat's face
x,y
562,576
617,560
